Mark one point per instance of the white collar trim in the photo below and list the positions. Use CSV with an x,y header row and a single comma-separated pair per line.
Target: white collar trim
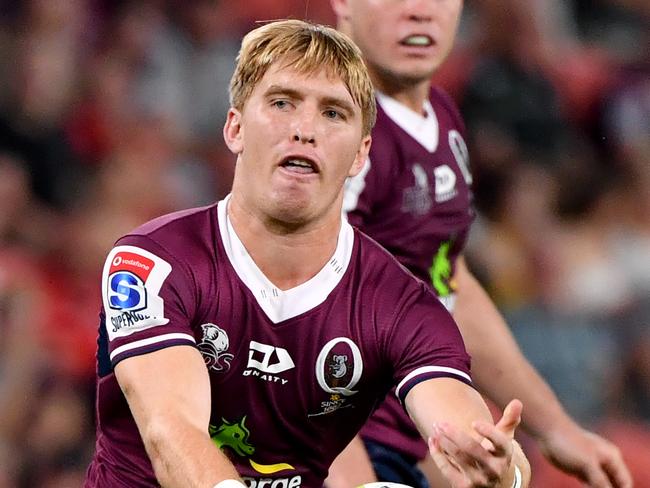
x,y
281,305
423,129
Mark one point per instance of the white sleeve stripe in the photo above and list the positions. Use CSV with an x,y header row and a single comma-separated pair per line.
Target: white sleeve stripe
x,y
430,369
149,341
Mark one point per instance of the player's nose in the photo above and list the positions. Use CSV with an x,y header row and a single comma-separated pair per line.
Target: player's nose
x,y
418,10
304,128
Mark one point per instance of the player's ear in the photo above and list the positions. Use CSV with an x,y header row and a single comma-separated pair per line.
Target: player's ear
x,y
361,157
233,132
341,8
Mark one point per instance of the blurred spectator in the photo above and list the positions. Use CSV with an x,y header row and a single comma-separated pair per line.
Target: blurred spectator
x,y
41,68
23,359
58,439
187,66
620,26
513,110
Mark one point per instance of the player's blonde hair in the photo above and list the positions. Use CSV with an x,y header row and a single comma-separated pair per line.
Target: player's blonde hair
x,y
307,48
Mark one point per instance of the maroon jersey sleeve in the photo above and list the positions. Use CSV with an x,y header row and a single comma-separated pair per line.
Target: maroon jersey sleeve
x,y
147,299
426,343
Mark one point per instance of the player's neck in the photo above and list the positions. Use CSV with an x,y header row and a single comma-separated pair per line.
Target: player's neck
x,y
288,256
412,96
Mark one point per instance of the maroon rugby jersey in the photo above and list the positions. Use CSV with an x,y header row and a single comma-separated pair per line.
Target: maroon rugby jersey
x,y
294,374
413,197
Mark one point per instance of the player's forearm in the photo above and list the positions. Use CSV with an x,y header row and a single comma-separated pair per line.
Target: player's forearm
x,y
352,467
499,369
185,456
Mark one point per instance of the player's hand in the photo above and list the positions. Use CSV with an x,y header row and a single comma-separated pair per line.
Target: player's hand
x,y
587,456
467,462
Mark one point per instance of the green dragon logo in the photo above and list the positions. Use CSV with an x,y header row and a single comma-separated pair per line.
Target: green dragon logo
x,y
440,270
235,436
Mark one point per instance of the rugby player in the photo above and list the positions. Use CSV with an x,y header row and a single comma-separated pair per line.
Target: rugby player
x,y
249,340
414,198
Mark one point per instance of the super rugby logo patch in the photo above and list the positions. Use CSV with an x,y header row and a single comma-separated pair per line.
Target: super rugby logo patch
x,y
131,285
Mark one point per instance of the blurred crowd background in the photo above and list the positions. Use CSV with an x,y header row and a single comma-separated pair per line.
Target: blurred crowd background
x,y
111,113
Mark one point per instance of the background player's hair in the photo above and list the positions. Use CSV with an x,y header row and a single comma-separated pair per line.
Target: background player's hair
x,y
307,48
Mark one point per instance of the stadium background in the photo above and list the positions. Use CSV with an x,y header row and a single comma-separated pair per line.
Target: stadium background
x,y
111,113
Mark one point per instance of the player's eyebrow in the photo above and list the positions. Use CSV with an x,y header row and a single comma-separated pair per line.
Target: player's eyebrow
x,y
283,90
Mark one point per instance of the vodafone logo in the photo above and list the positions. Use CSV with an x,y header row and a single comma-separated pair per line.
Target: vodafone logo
x,y
131,262
135,263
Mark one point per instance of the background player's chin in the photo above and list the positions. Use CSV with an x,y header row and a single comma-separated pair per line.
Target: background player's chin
x,y
384,484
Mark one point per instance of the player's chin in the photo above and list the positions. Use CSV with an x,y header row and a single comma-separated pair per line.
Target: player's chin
x,y
421,69
292,208
415,71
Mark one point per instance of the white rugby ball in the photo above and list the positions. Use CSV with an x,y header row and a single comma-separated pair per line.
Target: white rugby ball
x,y
384,484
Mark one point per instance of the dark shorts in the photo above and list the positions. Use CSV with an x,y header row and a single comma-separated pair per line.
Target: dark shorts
x,y
392,466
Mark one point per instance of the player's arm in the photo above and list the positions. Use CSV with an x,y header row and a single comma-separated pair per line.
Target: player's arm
x,y
467,447
168,392
502,372
352,467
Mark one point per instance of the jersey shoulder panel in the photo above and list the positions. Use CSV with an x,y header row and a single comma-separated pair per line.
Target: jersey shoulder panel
x,y
177,230
153,280
441,99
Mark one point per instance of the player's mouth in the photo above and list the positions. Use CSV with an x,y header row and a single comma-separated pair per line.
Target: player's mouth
x,y
300,165
417,40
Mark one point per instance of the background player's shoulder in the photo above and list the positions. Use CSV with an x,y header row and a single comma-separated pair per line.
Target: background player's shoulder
x,y
441,99
384,134
375,259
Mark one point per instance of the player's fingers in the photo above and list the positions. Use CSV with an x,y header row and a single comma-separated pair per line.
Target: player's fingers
x,y
500,443
462,445
617,470
511,417
474,461
596,478
449,470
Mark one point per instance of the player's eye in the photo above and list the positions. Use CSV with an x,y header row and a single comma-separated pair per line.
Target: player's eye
x,y
281,104
333,114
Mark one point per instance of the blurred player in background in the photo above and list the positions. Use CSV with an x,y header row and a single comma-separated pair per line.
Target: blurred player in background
x,y
414,198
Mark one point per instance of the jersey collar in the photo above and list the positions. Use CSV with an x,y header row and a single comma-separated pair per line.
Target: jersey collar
x,y
424,129
277,304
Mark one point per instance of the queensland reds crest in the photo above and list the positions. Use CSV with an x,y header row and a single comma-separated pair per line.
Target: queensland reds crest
x,y
132,280
213,347
338,370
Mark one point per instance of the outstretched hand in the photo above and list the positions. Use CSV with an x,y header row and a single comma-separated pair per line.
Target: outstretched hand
x,y
468,462
587,456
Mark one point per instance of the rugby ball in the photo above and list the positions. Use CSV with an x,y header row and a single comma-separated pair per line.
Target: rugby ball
x,y
384,484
